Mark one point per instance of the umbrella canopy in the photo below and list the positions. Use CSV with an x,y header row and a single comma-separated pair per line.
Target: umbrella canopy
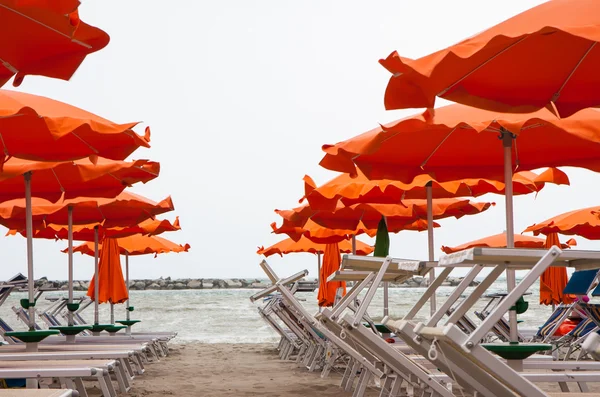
x,y
460,142
331,263
499,241
149,227
138,245
111,285
397,215
44,38
554,279
289,246
385,191
583,222
56,131
323,235
52,180
126,209
544,57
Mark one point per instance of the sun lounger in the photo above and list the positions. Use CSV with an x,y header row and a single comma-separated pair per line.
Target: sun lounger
x,y
38,393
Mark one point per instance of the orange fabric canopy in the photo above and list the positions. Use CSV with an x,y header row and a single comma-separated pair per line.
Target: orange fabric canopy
x,y
124,210
289,246
499,241
45,38
52,180
584,222
137,245
111,285
362,190
57,131
543,55
323,235
458,142
554,279
331,263
397,215
150,227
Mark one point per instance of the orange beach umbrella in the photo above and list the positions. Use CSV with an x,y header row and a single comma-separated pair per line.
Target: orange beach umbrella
x,y
458,142
331,263
386,191
44,38
323,235
56,131
111,285
289,246
149,227
544,57
499,241
71,179
583,222
397,215
554,279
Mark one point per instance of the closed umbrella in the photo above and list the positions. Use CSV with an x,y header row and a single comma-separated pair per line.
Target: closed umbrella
x,y
554,279
328,289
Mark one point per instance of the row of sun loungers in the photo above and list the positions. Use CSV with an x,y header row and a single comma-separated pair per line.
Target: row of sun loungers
x,y
447,354
60,367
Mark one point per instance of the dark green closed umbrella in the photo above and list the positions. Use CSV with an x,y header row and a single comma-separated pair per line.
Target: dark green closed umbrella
x,y
382,240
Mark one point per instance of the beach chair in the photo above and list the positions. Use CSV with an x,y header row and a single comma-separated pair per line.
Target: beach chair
x,y
463,358
38,393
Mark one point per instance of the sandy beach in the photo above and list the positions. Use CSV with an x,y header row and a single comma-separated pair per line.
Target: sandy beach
x,y
240,370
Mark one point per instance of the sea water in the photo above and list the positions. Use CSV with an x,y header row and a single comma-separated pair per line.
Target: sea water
x,y
228,316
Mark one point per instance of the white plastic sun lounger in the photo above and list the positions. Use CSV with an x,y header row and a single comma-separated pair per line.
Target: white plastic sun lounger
x,y
38,393
70,376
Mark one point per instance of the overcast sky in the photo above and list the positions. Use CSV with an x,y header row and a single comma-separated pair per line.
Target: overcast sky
x,y
240,96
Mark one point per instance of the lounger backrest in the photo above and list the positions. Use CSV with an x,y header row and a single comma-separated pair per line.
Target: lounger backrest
x,y
583,328
557,315
580,282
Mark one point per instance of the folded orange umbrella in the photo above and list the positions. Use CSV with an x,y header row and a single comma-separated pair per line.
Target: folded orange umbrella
x,y
583,222
459,142
111,285
57,131
554,279
397,215
323,235
138,245
150,227
52,181
44,38
331,263
385,191
124,210
499,241
289,246
544,57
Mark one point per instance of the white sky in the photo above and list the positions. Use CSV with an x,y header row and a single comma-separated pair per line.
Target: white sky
x,y
240,96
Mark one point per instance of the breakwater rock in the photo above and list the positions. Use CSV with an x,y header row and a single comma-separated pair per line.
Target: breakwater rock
x,y
213,283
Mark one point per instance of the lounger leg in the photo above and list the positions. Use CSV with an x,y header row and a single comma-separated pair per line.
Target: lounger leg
x,y
363,382
68,383
286,352
121,378
347,374
396,386
80,387
388,381
110,389
329,363
127,365
315,361
355,369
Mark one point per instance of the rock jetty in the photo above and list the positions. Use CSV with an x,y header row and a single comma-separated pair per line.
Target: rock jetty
x,y
213,283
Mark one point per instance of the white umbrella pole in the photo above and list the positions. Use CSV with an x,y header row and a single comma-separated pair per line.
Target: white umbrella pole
x,y
96,281
127,277
511,282
430,248
112,313
319,274
70,215
353,244
29,231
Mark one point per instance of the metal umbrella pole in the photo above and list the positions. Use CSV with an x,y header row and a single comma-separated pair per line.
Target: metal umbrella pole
x,y
96,281
430,248
29,232
511,282
319,275
70,226
127,278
